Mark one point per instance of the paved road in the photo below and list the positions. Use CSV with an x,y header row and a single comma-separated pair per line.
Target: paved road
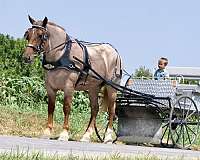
x,y
8,143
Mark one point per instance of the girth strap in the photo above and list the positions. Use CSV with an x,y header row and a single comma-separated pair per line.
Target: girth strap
x,y
86,61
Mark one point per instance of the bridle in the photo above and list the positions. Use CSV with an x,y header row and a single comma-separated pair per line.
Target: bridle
x,y
39,48
45,37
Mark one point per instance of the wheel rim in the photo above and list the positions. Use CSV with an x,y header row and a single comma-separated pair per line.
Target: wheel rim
x,y
184,122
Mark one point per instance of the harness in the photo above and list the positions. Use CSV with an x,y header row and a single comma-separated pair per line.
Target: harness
x,y
66,63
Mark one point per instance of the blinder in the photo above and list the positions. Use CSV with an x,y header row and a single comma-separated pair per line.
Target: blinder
x,y
26,34
45,37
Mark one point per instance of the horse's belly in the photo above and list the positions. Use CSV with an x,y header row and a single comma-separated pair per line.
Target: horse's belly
x,y
87,83
61,79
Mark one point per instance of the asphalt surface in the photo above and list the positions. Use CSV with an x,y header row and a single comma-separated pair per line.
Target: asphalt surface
x,y
23,144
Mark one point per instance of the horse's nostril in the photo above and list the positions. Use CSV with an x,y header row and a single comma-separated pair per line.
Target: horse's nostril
x,y
27,59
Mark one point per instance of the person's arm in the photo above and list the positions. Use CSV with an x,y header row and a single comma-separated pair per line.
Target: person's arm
x,y
155,76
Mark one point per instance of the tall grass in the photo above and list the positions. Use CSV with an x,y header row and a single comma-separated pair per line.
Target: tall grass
x,y
27,96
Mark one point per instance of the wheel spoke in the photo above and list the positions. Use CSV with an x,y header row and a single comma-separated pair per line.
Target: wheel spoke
x,y
188,134
184,108
164,132
179,135
191,130
188,110
168,137
192,123
177,130
183,136
179,107
190,115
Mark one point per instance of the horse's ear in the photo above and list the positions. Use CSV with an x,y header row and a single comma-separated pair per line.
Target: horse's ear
x,y
44,23
31,19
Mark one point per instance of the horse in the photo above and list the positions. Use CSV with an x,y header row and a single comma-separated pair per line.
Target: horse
x,y
65,73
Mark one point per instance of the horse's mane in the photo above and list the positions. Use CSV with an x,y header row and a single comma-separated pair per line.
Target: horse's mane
x,y
53,24
50,23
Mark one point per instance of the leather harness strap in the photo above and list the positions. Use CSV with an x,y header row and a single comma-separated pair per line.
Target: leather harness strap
x,y
65,62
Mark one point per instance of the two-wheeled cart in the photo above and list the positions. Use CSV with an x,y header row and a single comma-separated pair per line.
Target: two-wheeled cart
x,y
170,118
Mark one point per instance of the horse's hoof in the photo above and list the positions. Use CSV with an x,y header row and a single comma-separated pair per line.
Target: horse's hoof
x,y
85,139
46,134
64,136
108,137
108,142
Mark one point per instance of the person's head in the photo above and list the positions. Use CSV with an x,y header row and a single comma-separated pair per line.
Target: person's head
x,y
162,63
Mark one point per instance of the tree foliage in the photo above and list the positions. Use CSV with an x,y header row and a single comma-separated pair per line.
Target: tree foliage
x,y
142,72
22,84
11,64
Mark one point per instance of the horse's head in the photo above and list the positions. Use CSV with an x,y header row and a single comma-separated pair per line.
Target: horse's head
x,y
37,37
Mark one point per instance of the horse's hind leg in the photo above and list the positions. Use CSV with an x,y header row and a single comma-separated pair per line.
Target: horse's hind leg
x,y
51,106
111,97
93,96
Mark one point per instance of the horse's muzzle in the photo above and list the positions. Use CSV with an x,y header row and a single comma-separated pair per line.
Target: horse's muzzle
x,y
27,60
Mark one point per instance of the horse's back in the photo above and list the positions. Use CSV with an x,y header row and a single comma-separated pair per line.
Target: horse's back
x,y
105,54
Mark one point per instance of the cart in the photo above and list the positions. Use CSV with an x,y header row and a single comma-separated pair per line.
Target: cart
x,y
170,118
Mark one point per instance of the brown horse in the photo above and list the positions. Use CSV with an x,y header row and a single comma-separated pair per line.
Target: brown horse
x,y
65,73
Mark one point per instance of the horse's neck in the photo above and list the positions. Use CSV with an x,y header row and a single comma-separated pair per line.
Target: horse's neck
x,y
57,37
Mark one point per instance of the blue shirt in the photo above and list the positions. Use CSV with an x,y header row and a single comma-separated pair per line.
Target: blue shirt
x,y
161,74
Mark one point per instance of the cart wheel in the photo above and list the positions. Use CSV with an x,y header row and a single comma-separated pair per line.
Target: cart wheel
x,y
166,139
184,122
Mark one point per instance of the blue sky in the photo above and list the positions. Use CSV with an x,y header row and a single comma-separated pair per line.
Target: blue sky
x,y
141,30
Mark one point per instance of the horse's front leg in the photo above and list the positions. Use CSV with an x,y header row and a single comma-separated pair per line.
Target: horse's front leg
x,y
51,107
93,96
64,135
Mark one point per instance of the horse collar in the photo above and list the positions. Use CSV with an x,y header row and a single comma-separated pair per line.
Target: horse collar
x,y
63,62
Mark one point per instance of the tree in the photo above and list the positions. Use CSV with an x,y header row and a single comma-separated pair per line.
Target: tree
x,y
11,64
142,72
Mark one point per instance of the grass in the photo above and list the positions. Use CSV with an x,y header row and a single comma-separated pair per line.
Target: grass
x,y
31,124
41,156
19,123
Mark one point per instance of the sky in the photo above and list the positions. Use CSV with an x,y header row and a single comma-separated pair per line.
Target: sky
x,y
141,30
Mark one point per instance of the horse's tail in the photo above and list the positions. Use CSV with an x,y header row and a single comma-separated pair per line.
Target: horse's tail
x,y
118,68
118,63
103,99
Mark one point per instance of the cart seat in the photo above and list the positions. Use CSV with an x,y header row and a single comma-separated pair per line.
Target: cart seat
x,y
159,88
